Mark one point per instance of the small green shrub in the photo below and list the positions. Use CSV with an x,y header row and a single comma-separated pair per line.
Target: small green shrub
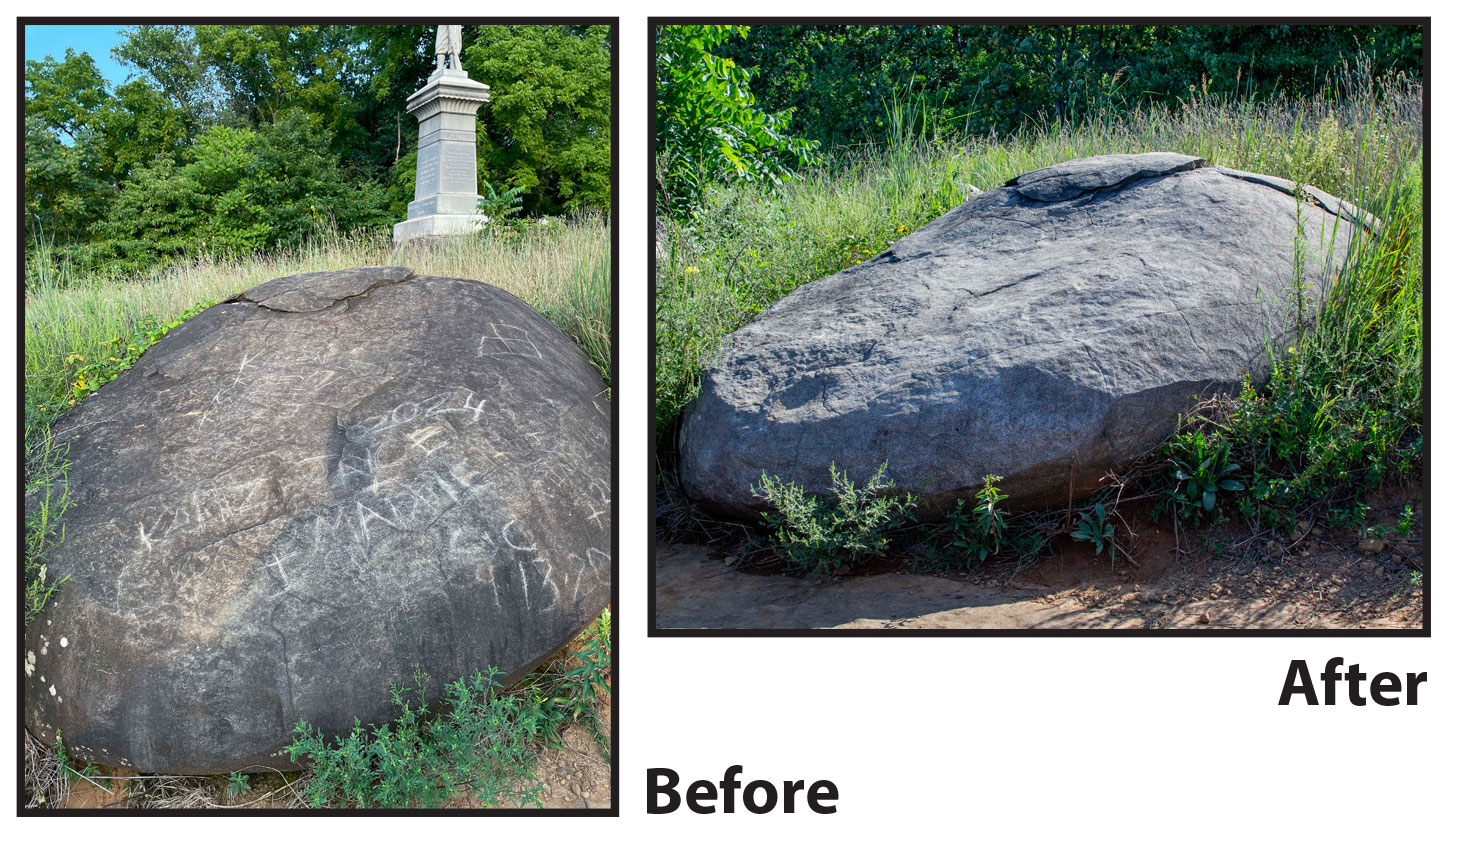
x,y
1347,517
486,739
1198,465
419,759
819,534
1095,527
979,530
501,207
1405,521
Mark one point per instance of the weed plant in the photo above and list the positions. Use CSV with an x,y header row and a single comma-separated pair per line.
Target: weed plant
x,y
1200,470
1094,527
818,533
485,741
980,529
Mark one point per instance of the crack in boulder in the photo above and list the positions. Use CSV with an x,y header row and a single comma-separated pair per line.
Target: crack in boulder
x,y
1072,179
313,292
1321,199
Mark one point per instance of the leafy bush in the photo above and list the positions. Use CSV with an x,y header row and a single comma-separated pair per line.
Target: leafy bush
x,y
500,207
419,759
978,531
485,739
1199,466
707,125
1094,527
819,534
237,190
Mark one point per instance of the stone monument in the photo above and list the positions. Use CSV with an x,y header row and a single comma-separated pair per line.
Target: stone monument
x,y
445,178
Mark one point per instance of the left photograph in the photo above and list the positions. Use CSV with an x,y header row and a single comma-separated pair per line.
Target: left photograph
x,y
317,441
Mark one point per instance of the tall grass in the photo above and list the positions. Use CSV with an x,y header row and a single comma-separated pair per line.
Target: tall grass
x,y
1360,139
564,273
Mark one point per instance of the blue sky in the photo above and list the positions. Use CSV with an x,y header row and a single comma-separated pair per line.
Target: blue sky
x,y
98,41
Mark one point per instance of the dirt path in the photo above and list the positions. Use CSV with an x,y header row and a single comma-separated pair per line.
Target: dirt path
x,y
1319,582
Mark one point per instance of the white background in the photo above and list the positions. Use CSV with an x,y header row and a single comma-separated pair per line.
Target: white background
x,y
1033,738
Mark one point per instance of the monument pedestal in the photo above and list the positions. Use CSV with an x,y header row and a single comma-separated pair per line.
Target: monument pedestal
x,y
446,194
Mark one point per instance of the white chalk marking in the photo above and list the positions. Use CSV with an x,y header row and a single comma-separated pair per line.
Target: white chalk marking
x,y
508,538
598,515
507,342
276,561
526,597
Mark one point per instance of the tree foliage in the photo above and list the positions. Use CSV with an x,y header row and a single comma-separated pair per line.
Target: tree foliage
x,y
238,190
839,80
548,131
707,122
243,137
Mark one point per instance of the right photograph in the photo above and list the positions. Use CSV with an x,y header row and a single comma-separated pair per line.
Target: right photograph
x,y
1058,328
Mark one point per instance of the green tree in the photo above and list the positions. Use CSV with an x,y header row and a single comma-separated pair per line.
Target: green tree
x,y
67,186
548,120
840,80
266,69
237,190
283,128
708,125
168,59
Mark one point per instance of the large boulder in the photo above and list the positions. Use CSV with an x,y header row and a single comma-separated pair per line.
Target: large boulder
x,y
1046,331
303,495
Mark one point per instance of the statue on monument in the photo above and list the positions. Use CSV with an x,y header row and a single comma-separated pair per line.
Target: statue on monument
x,y
447,46
446,199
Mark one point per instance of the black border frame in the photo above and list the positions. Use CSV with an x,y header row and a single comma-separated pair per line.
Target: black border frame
x,y
125,20
653,630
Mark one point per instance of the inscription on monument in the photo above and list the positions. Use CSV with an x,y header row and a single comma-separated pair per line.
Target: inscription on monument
x,y
426,168
459,172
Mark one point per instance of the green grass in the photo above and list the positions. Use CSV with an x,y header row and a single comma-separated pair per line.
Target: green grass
x,y
1342,413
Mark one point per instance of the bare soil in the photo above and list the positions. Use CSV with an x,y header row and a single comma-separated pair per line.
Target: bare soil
x,y
1224,577
576,776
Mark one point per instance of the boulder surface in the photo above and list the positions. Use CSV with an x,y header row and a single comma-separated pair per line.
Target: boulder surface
x,y
1046,331
305,494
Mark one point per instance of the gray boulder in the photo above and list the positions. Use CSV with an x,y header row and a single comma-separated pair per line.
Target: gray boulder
x,y
305,494
1046,331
